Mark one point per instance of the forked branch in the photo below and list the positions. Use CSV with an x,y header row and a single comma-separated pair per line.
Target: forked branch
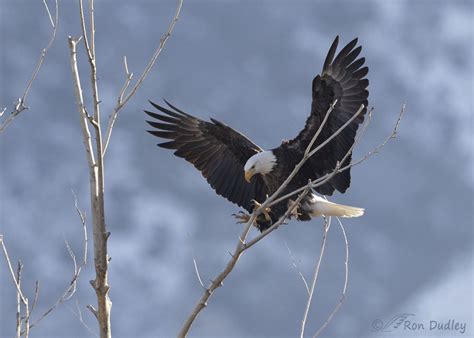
x,y
344,287
327,225
124,97
23,325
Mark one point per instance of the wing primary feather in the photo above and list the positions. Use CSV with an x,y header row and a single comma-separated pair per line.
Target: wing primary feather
x,y
178,110
163,118
331,53
220,177
163,126
207,155
211,166
353,55
163,134
344,52
361,73
355,65
168,145
166,111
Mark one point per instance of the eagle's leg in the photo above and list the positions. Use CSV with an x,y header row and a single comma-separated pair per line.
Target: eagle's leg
x,y
265,211
241,217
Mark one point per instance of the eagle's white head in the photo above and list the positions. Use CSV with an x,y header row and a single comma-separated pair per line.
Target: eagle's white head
x,y
261,163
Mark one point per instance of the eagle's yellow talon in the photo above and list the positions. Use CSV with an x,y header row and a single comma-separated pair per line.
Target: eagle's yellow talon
x,y
265,211
241,217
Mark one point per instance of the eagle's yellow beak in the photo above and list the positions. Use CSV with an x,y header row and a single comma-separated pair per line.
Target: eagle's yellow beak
x,y
248,175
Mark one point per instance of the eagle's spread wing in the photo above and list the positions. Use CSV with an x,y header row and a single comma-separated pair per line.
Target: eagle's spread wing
x,y
343,79
215,149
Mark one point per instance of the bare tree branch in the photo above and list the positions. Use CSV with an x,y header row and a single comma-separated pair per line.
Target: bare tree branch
x,y
21,299
122,93
95,155
124,98
18,300
72,286
10,268
80,104
327,225
67,294
344,288
20,103
242,245
35,300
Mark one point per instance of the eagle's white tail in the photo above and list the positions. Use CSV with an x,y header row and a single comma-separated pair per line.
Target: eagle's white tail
x,y
320,206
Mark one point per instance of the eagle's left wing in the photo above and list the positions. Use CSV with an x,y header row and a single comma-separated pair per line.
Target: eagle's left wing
x,y
215,149
342,78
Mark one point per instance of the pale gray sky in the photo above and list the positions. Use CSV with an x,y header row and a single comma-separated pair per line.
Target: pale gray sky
x,y
249,64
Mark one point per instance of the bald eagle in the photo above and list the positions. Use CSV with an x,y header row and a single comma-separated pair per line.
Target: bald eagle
x,y
241,171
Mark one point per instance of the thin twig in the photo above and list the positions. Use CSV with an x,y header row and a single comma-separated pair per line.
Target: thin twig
x,y
80,104
82,217
277,224
327,225
49,14
10,268
27,319
84,30
128,79
344,288
35,300
293,262
315,136
124,98
197,273
393,135
20,104
81,318
321,145
18,301
72,286
21,299
307,154
92,310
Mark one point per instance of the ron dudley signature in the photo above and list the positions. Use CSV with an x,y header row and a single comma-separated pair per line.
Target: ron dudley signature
x,y
408,322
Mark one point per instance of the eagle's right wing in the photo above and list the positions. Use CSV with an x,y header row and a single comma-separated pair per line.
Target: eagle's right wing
x,y
217,150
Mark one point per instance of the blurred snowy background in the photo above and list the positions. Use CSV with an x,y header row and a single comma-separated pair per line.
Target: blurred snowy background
x,y
249,64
